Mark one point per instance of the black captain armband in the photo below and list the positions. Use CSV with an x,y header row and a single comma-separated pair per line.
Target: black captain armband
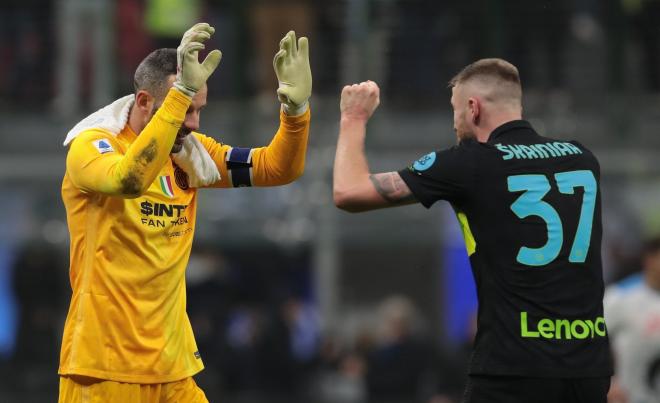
x,y
239,166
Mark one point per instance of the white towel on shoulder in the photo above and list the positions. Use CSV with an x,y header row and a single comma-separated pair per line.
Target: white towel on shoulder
x,y
193,158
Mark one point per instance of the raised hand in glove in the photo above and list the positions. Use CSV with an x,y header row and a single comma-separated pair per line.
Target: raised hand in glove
x,y
191,74
294,75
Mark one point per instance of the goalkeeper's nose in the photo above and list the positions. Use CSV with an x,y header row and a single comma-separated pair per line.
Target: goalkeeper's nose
x,y
192,121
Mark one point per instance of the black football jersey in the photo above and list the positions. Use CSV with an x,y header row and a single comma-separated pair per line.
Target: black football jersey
x,y
529,207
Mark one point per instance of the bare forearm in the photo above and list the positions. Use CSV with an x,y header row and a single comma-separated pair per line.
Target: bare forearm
x,y
351,168
355,189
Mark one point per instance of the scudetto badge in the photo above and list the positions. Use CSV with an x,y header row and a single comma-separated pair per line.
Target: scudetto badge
x,y
181,178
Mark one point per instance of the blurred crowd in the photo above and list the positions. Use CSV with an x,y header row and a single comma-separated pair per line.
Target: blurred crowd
x,y
73,54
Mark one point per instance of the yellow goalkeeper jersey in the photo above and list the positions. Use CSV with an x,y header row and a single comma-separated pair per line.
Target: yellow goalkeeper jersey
x,y
131,216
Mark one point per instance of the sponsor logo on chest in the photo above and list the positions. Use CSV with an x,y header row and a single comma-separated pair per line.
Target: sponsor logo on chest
x,y
154,213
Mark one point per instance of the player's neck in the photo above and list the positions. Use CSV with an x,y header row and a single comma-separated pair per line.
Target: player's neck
x,y
136,120
483,133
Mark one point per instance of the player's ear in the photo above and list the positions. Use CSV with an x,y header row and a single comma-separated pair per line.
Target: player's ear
x,y
475,109
144,101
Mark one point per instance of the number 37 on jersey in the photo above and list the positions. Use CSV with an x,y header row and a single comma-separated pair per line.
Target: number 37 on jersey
x,y
531,203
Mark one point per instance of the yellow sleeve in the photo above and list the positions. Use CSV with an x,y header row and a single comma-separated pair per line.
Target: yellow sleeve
x,y
279,163
92,169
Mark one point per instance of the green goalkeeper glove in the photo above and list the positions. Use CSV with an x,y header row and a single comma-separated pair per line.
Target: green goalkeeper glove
x,y
190,73
294,75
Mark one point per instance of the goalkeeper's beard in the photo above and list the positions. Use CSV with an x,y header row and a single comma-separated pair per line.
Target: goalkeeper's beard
x,y
180,138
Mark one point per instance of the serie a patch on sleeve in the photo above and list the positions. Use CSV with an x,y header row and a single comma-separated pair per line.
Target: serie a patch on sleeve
x,y
103,145
424,163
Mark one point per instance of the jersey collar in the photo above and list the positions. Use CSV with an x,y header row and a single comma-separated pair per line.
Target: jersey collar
x,y
507,127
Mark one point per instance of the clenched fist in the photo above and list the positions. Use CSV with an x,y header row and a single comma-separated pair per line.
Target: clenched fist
x,y
359,101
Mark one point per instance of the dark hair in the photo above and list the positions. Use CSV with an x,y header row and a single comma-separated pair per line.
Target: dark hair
x,y
488,68
651,246
152,73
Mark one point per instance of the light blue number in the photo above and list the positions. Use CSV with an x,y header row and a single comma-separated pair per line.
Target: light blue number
x,y
567,182
531,203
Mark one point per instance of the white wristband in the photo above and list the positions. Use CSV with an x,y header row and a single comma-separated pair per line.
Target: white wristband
x,y
295,110
184,90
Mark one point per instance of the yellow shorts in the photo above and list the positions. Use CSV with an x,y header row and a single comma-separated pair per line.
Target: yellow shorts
x,y
80,389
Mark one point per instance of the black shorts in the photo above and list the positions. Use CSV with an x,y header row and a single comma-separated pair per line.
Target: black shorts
x,y
511,389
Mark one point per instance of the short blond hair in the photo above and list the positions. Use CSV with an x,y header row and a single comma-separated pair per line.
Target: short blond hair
x,y
492,72
495,68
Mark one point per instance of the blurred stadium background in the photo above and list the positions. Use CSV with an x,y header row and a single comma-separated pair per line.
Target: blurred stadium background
x,y
291,299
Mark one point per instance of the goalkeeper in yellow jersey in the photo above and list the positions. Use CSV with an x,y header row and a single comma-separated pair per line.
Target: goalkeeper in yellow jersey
x,y
130,191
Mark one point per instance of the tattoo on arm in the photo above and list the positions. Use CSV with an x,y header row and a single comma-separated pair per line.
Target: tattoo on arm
x,y
392,188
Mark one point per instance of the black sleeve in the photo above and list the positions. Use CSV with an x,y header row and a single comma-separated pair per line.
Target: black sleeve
x,y
439,175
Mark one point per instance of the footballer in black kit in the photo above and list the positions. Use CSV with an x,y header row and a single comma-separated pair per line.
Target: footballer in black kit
x,y
529,208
